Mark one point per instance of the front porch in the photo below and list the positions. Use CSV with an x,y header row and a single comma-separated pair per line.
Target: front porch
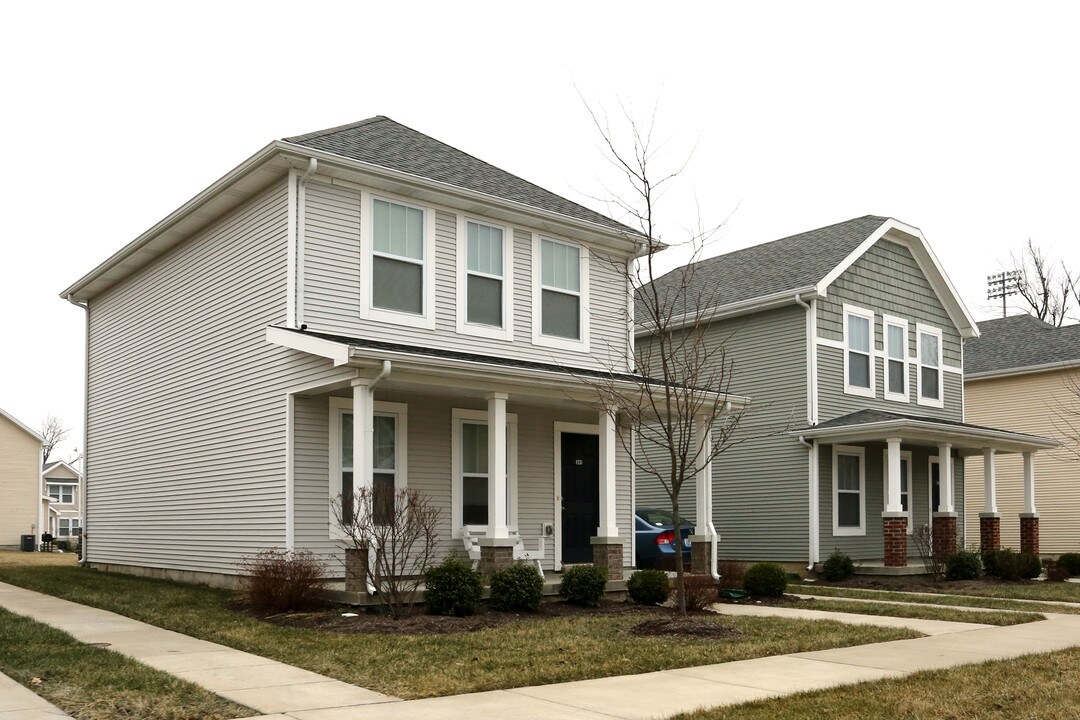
x,y
873,459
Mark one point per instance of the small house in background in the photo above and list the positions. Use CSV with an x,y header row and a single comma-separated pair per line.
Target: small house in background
x,y
1024,373
63,488
22,508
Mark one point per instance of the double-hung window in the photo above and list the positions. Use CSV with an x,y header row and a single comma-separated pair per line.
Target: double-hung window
x,y
485,278
64,494
849,496
560,317
469,459
858,351
905,486
931,391
396,284
896,359
68,527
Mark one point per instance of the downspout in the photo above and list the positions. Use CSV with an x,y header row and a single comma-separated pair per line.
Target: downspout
x,y
86,427
814,541
811,419
811,359
301,234
372,590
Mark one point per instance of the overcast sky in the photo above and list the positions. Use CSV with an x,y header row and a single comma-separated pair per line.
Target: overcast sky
x,y
959,118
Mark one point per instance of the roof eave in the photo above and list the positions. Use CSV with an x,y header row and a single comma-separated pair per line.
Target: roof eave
x,y
1022,370
877,430
743,307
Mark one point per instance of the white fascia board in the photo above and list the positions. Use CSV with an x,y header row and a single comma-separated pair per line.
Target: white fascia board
x,y
53,466
22,427
743,307
336,351
1027,370
930,431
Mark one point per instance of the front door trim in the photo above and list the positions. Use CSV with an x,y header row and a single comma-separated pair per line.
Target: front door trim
x,y
560,428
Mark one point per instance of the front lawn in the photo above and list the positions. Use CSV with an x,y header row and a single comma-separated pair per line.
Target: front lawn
x,y
924,612
988,587
516,654
941,597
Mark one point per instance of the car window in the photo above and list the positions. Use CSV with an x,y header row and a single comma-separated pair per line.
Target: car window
x,y
659,518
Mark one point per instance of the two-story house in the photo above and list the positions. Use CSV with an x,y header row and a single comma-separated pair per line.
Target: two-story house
x,y
62,486
359,307
24,510
849,339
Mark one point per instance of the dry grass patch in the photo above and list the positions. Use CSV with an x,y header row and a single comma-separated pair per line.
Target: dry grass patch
x,y
925,612
993,603
14,558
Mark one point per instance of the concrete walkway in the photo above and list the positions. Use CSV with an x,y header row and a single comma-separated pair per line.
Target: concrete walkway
x,y
20,703
272,687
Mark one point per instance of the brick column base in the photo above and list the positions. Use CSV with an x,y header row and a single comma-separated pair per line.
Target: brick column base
x,y
495,557
1029,533
944,535
701,557
989,532
895,531
356,570
608,553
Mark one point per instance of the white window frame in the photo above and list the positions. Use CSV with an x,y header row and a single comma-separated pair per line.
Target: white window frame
x,y
538,338
869,315
921,330
72,487
904,455
506,332
839,450
460,416
73,522
340,406
368,310
886,321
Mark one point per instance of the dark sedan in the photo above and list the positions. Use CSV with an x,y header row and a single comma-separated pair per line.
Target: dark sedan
x,y
654,532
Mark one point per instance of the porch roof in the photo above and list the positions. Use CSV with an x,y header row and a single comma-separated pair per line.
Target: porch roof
x,y
877,425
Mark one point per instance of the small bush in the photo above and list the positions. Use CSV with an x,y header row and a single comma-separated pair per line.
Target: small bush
x,y
963,565
1071,562
765,580
518,587
731,573
452,588
1008,564
838,566
1056,572
701,591
649,587
584,584
282,580
65,545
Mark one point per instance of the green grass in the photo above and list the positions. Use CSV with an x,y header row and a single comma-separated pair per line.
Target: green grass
x,y
1043,686
91,683
924,612
938,598
409,666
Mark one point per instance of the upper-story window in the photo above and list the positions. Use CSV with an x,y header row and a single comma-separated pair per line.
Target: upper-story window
x,y
931,391
858,351
397,282
485,279
560,316
896,359
64,494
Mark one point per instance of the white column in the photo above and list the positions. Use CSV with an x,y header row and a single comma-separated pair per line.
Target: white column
x,y
608,520
893,503
703,476
989,482
1029,483
363,430
946,502
497,519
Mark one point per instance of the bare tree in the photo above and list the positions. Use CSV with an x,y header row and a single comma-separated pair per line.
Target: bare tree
x,y
1046,287
684,375
53,433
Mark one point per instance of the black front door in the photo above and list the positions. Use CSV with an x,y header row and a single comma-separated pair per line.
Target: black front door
x,y
580,495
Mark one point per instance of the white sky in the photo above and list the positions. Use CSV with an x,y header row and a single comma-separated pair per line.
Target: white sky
x,y
959,118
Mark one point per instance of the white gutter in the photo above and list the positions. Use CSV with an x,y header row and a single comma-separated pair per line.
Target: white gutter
x,y
938,429
1028,370
301,235
742,307
811,358
86,426
813,503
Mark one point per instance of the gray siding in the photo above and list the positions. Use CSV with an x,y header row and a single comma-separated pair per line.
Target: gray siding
x,y
332,289
186,399
760,487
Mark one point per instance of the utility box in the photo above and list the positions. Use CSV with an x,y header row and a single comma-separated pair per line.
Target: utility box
x,y
26,543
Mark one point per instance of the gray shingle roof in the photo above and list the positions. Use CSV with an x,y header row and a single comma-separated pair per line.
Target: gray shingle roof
x,y
386,143
782,265
866,417
1020,341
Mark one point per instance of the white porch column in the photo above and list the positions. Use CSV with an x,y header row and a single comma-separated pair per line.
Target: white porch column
x,y
703,478
989,482
498,526
1029,483
946,494
893,502
363,432
608,519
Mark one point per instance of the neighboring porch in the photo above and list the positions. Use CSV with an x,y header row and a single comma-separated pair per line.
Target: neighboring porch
x,y
881,476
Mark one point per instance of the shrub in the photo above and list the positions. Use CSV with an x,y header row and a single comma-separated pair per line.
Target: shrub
x,y
649,587
584,584
1056,572
731,573
1071,562
281,580
1008,564
452,588
838,566
765,580
700,591
65,545
518,587
963,565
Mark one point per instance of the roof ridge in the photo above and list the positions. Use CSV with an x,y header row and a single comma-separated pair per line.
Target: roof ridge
x,y
882,218
338,128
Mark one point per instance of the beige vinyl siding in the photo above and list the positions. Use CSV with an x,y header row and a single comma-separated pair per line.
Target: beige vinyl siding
x,y
187,401
887,281
429,468
760,486
1031,404
332,289
61,474
20,478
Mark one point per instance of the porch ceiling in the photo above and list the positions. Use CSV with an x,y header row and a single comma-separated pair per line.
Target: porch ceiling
x,y
878,426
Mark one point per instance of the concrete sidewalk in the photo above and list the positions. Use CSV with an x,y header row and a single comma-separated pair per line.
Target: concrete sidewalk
x,y
20,703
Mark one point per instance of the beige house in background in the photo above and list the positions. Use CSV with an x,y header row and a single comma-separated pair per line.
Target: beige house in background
x,y
63,486
1022,373
22,508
